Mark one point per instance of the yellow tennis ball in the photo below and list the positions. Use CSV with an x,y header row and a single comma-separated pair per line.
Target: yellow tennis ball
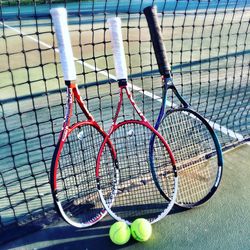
x,y
119,233
141,229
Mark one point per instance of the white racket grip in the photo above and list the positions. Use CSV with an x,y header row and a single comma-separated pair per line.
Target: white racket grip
x,y
114,25
59,17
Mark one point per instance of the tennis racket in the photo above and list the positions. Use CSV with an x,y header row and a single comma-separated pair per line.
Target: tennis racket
x,y
72,179
136,194
191,138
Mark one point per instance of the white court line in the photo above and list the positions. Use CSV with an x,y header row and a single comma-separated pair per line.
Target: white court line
x,y
216,126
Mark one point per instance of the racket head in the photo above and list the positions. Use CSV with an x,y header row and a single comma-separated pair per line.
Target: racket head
x,y
73,180
134,193
198,155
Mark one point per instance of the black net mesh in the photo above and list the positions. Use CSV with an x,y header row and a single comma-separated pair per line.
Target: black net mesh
x,y
208,45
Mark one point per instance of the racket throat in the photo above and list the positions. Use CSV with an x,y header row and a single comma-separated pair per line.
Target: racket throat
x,y
168,84
82,104
73,92
123,87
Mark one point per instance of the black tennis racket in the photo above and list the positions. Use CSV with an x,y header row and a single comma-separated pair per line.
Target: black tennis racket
x,y
191,138
73,180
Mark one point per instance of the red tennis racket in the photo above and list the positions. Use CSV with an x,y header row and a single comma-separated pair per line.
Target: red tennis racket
x,y
134,194
73,180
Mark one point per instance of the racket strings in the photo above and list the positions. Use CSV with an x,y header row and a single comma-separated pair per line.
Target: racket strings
x,y
137,194
76,182
195,153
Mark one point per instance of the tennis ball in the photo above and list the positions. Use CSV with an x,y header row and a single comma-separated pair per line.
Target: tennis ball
x,y
119,233
141,229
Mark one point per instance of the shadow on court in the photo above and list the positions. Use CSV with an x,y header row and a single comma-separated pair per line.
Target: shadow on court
x,y
63,236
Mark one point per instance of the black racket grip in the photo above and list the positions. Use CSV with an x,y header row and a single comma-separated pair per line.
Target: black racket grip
x,y
157,40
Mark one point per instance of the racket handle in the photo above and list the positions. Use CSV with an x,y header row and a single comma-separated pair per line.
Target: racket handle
x,y
59,17
114,25
157,40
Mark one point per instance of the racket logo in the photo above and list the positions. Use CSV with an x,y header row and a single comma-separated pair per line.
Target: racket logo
x,y
69,104
130,133
80,136
113,191
70,95
65,133
219,176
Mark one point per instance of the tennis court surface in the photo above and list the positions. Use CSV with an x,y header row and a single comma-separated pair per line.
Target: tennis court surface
x,y
222,223
208,47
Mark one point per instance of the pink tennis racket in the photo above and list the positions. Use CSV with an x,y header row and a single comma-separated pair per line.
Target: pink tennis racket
x,y
73,180
133,193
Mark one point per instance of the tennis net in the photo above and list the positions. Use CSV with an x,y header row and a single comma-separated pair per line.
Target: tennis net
x,y
209,49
